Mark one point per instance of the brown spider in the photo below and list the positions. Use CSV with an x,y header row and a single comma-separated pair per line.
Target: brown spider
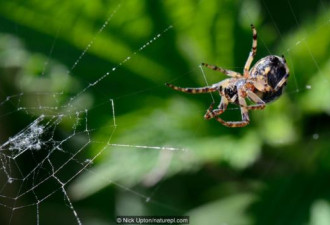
x,y
262,84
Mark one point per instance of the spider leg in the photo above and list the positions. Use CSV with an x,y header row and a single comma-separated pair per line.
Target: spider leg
x,y
199,90
252,52
210,113
244,112
261,85
281,82
224,71
284,79
260,104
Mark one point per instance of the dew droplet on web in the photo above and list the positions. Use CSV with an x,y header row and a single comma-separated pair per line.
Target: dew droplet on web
x,y
88,161
308,87
37,146
10,180
316,136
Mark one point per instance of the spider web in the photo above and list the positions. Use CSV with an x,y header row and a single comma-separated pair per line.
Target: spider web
x,y
34,163
49,151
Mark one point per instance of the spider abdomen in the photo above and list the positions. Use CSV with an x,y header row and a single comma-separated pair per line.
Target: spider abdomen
x,y
272,69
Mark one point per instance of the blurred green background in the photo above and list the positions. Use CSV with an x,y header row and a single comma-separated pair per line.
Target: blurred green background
x,y
274,171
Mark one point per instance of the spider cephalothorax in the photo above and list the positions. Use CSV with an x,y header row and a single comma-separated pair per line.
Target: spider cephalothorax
x,y
262,84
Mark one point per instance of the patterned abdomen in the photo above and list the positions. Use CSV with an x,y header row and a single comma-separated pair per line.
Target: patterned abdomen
x,y
272,69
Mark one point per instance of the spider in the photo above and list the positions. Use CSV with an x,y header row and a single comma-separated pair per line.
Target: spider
x,y
261,84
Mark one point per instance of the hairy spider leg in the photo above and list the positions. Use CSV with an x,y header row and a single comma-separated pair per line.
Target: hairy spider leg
x,y
261,85
210,113
284,79
260,104
244,112
252,53
193,90
222,70
281,82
